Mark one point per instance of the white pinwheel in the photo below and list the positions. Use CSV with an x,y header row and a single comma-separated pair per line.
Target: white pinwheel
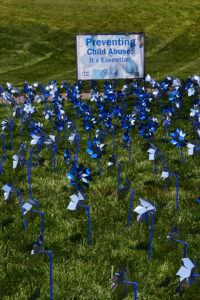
x,y
75,201
144,208
185,272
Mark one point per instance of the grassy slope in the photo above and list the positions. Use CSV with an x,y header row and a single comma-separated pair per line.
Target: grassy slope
x,y
38,37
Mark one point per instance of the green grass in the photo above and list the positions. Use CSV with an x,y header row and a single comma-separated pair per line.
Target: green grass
x,y
81,271
38,37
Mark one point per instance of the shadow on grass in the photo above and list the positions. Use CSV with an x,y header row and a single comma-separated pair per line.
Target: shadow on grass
x,y
35,295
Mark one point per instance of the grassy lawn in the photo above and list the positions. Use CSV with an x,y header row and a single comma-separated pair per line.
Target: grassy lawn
x,y
37,40
38,37
81,271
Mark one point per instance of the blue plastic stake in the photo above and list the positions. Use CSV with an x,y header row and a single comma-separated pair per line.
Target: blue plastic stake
x,y
130,153
185,246
135,288
39,146
179,288
113,139
152,218
20,199
11,137
31,155
99,166
130,208
166,131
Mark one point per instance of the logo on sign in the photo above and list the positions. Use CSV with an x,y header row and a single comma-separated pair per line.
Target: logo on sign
x,y
86,73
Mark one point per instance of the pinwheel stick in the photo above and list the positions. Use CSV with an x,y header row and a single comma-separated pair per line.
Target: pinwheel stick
x,y
152,218
11,135
176,189
166,124
87,209
75,160
77,147
185,246
20,199
196,123
50,269
42,222
31,155
130,208
99,166
194,276
135,287
114,139
4,145
39,147
22,122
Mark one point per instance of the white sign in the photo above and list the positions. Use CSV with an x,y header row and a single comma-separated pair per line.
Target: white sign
x,y
110,56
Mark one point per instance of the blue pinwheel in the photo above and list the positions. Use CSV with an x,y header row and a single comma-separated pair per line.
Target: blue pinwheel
x,y
52,143
68,157
48,113
145,209
36,253
119,278
95,150
127,143
172,238
193,147
166,122
195,116
179,140
77,201
8,124
187,273
176,97
29,210
154,152
79,177
111,163
74,138
19,160
166,173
